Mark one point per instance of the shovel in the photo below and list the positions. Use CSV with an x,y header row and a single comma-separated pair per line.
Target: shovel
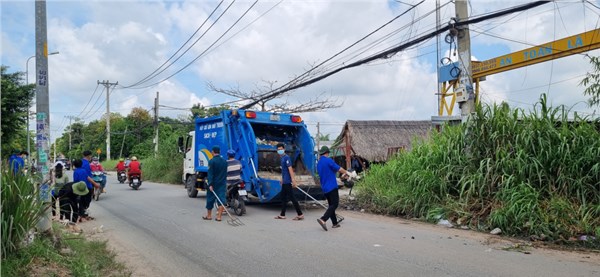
x,y
339,217
233,221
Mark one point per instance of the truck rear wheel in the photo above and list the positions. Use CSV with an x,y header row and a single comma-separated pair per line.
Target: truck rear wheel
x,y
190,184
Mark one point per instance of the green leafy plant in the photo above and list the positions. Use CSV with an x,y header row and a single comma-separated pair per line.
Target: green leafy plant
x,y
21,210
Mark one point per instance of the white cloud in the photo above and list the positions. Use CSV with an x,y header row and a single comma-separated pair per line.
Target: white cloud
x,y
125,41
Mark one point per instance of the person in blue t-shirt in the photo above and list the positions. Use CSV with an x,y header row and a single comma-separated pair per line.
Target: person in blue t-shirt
x,y
87,199
287,183
17,162
327,170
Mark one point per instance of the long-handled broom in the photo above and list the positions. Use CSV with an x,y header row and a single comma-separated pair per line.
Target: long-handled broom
x,y
339,217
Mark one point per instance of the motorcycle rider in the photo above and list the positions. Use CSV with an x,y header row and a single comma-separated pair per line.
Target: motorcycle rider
x,y
135,168
234,168
96,166
120,167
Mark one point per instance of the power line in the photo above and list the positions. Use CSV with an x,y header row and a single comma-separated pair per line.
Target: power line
x,y
203,52
89,101
390,52
152,75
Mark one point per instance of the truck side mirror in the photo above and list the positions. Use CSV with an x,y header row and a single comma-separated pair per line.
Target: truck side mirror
x,y
180,144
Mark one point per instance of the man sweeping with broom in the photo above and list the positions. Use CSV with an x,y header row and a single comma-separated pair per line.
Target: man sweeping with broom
x,y
327,169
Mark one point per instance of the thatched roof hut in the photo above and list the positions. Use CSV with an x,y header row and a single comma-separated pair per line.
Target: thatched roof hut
x,y
378,140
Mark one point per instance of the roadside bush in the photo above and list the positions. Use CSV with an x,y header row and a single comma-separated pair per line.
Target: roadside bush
x,y
533,173
20,210
168,165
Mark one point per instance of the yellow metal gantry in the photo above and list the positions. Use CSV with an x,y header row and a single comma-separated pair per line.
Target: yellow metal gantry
x,y
564,47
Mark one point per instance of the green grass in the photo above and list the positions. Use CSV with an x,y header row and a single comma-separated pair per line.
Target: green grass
x,y
167,167
109,165
20,210
44,258
529,173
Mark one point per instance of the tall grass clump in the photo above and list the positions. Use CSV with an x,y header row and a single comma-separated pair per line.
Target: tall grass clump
x,y
167,167
21,210
535,172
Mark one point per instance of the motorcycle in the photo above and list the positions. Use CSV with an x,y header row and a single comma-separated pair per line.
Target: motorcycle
x,y
98,177
121,176
237,197
134,181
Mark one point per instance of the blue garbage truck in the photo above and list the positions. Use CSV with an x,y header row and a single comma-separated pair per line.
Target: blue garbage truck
x,y
254,136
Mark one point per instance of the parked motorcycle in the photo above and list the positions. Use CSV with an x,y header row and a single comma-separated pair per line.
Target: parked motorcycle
x,y
237,197
98,177
121,176
134,181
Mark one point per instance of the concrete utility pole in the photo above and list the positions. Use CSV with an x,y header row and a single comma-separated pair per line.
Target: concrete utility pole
x,y
464,92
156,125
42,109
29,104
70,117
107,84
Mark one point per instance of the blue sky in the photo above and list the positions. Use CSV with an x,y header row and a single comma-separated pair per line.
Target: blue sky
x,y
126,40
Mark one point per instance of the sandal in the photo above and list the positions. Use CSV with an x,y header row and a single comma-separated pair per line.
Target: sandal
x,y
300,217
280,217
217,219
322,223
206,218
336,226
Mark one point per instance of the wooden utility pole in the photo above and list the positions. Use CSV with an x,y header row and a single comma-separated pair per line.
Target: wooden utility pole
x,y
123,142
464,92
156,125
318,137
107,85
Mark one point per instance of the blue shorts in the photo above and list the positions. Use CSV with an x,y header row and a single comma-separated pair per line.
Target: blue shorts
x,y
210,197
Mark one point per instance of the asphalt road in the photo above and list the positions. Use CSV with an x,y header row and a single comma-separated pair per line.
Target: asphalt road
x,y
159,231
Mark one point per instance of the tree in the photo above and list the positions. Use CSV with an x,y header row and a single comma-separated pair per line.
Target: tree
x,y
319,103
16,98
323,137
198,110
592,82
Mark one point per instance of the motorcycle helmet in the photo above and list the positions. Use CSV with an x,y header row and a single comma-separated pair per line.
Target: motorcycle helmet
x,y
134,158
94,159
231,153
121,159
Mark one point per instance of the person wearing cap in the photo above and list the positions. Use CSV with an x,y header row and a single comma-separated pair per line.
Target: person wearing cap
x,y
217,182
327,170
69,198
288,182
234,168
120,165
135,168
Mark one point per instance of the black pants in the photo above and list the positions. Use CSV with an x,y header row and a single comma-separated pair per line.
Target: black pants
x,y
286,195
84,203
333,198
69,208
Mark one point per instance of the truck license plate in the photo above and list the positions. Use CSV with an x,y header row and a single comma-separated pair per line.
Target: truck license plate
x,y
274,117
242,192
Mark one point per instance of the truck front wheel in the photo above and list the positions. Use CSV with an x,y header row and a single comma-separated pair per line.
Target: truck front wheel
x,y
190,184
